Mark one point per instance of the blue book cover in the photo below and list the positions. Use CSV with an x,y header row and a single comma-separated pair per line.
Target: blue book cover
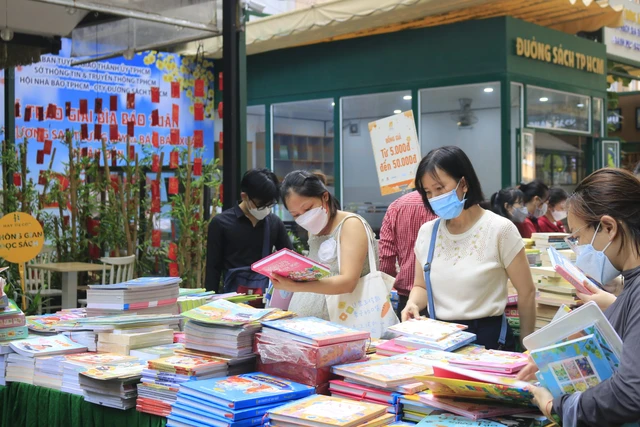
x,y
572,366
246,390
225,413
604,344
208,419
315,331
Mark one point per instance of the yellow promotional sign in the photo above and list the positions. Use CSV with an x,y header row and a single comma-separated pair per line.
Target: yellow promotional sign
x,y
21,237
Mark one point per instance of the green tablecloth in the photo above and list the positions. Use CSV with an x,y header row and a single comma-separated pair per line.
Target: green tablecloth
x,y
24,405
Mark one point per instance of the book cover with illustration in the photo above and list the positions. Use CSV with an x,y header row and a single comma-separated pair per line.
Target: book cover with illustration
x,y
11,314
187,365
450,343
226,313
314,331
427,329
277,298
493,361
454,421
246,390
468,408
569,271
288,263
119,371
46,346
572,366
16,333
387,372
225,413
100,358
327,411
606,348
194,416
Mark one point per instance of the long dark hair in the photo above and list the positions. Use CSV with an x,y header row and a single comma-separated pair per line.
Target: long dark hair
x,y
557,195
533,189
510,196
307,184
455,163
612,192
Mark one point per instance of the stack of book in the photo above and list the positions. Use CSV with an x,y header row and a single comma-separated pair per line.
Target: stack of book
x,y
20,369
222,328
113,386
5,350
145,295
75,364
12,322
48,372
432,334
320,411
156,352
122,341
161,381
45,324
234,401
544,241
304,349
513,316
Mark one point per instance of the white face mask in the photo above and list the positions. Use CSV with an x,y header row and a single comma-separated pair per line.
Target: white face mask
x,y
559,215
541,211
260,214
314,220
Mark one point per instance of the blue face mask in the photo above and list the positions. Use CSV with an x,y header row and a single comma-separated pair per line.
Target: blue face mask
x,y
448,206
595,264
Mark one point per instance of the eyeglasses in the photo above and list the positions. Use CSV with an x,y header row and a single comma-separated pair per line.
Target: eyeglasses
x,y
261,208
572,240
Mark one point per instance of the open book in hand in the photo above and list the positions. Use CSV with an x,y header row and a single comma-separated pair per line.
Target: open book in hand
x,y
569,271
292,265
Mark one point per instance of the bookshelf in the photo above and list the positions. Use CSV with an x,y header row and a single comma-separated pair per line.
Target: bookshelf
x,y
292,152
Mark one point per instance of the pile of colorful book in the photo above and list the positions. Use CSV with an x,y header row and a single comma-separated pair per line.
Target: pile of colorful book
x,y
74,364
12,321
304,349
163,377
421,333
235,401
145,295
113,386
543,241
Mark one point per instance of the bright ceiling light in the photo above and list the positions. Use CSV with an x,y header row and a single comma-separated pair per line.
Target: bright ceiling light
x,y
407,97
544,99
397,111
488,89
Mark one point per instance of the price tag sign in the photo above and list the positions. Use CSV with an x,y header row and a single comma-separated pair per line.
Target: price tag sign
x,y
396,150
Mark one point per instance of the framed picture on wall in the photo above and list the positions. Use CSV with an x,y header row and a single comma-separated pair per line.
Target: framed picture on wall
x,y
611,153
614,117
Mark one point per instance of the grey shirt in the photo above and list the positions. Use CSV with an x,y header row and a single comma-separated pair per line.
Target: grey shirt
x,y
617,400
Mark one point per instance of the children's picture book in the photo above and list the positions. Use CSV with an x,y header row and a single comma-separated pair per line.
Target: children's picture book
x,y
226,313
319,410
288,263
493,361
225,413
450,343
194,416
427,329
277,298
16,333
386,373
469,408
246,390
314,331
454,421
100,358
141,282
572,366
46,346
568,271
120,371
187,365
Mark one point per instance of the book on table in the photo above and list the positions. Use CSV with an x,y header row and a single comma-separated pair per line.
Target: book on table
x,y
427,329
226,313
288,263
450,343
474,410
312,330
46,346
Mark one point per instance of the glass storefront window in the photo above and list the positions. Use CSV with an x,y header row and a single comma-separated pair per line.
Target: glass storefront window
x,y
469,117
361,193
256,137
555,110
560,159
598,118
516,126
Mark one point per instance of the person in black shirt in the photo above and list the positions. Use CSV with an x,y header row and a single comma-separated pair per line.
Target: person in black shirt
x,y
236,237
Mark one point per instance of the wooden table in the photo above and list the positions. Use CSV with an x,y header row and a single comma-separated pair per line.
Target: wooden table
x,y
69,272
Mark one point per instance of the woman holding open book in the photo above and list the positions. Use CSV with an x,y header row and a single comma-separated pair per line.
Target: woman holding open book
x,y
604,214
315,209
465,258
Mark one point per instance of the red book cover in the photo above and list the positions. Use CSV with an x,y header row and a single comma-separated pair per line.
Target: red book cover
x,y
173,185
155,121
84,131
290,264
84,108
198,111
113,132
113,103
47,146
155,163
198,138
130,129
155,238
155,95
174,158
175,114
197,166
97,105
199,88
155,139
175,89
175,136
97,132
131,101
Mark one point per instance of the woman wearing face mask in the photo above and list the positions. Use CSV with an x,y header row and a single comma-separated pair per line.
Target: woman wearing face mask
x,y
551,222
462,268
604,212
315,209
536,196
508,203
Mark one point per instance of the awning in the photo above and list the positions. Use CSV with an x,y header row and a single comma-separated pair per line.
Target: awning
x,y
344,19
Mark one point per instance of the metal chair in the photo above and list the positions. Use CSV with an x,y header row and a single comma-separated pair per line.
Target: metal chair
x,y
118,270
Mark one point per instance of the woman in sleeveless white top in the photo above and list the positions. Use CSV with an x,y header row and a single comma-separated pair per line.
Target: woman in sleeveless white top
x,y
314,208
323,249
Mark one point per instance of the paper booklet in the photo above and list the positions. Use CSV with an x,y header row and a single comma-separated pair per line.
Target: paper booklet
x,y
46,346
569,271
288,263
427,329
572,366
226,313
